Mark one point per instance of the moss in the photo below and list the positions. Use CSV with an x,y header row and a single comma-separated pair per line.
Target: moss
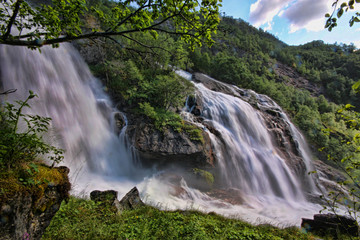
x,y
209,178
34,179
194,132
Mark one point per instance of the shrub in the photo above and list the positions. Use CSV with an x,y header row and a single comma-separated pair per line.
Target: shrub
x,y
22,147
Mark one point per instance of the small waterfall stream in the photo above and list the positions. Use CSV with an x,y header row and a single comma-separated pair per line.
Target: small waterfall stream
x,y
99,159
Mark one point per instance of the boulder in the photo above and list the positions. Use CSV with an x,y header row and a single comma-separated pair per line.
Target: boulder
x,y
332,224
109,198
131,200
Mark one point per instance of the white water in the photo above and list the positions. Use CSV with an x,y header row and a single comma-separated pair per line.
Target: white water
x,y
99,159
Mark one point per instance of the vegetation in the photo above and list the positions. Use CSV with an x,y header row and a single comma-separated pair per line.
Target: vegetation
x,y
22,148
84,219
60,21
249,58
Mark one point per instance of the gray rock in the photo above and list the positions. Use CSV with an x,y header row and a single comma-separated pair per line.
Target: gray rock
x,y
323,224
169,147
131,200
108,198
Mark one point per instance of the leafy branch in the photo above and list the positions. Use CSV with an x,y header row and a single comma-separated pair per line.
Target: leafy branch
x,y
331,21
62,21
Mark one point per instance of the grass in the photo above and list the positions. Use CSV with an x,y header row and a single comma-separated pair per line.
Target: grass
x,y
85,219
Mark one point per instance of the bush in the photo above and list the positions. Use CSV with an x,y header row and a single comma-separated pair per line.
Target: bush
x,y
22,147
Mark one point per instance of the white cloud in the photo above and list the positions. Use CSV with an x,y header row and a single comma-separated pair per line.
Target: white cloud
x,y
308,14
269,26
263,11
300,14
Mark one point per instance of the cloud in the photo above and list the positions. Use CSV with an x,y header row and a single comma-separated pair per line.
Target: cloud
x,y
263,11
268,27
308,14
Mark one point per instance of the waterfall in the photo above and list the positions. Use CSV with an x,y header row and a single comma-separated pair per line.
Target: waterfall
x,y
250,168
80,112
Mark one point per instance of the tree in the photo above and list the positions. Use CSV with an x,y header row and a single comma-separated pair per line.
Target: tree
x,y
331,21
62,21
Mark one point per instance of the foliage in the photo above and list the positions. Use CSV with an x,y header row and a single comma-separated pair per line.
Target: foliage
x,y
331,21
61,20
84,219
18,147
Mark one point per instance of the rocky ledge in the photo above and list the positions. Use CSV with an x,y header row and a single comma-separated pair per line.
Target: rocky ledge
x,y
169,147
27,213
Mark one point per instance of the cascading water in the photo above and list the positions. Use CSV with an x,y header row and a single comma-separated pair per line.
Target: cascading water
x,y
80,112
99,159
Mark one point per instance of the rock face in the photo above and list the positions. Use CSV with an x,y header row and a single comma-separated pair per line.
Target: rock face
x,y
291,77
169,147
27,214
331,224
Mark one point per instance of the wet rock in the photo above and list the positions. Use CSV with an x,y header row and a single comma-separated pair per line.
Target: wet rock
x,y
195,104
169,147
323,224
213,84
329,172
131,200
120,122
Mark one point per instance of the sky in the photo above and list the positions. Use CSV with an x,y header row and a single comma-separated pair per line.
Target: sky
x,y
295,22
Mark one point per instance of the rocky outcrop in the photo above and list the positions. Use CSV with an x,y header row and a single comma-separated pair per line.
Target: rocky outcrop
x,y
109,198
131,200
170,147
291,77
27,214
324,224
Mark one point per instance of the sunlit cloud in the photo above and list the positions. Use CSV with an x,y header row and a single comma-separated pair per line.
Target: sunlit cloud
x,y
300,14
308,14
263,11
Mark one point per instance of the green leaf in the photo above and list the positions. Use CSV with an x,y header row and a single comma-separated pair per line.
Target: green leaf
x,y
340,12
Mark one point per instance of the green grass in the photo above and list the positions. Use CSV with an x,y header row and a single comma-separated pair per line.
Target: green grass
x,y
85,219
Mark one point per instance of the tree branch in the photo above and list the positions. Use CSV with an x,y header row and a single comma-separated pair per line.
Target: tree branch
x,y
12,19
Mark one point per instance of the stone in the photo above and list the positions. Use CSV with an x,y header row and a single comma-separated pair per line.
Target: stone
x,y
331,224
108,196
131,200
119,122
169,147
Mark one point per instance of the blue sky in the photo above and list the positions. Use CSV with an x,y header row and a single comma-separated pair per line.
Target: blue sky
x,y
294,21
